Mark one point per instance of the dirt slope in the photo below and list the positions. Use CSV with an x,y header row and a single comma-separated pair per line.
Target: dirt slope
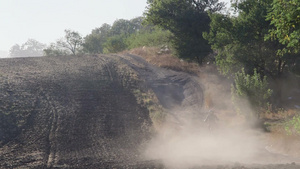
x,y
78,111
81,112
75,112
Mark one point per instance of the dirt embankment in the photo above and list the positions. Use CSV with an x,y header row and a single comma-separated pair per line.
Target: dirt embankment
x,y
71,112
85,112
79,111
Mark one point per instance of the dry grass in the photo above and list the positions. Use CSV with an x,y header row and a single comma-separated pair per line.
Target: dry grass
x,y
278,114
165,60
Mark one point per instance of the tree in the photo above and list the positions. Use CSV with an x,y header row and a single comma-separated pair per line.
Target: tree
x,y
72,41
186,20
109,39
115,44
125,27
285,16
240,41
94,42
54,50
33,48
15,51
30,48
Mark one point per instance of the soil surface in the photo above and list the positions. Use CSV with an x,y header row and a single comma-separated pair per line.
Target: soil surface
x,y
81,112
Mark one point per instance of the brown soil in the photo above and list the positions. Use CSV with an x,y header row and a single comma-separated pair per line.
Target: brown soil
x,y
80,112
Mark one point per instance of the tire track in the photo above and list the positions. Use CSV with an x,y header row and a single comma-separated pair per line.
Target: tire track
x,y
52,125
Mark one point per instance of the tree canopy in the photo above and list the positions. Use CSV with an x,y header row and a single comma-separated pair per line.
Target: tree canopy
x,y
30,48
71,41
186,20
240,41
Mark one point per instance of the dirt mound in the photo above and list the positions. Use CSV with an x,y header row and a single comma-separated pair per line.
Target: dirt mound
x,y
68,112
89,112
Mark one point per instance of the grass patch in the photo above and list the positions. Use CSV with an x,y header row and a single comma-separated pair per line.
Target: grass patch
x,y
282,121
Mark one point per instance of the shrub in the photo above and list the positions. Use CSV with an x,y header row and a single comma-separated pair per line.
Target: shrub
x,y
252,88
115,44
154,38
293,126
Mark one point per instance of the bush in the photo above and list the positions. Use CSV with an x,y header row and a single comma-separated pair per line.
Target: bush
x,y
115,44
157,37
254,89
293,126
54,50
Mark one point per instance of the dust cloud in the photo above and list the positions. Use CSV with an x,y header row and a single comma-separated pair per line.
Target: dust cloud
x,y
186,140
193,145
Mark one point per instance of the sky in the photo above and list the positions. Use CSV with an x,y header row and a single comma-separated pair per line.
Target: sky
x,y
46,20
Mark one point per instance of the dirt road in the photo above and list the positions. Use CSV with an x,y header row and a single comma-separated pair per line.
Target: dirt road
x,y
81,112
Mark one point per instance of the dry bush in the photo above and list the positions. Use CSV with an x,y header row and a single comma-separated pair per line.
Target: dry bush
x,y
278,114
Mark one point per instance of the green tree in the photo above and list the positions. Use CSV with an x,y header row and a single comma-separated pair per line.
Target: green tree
x,y
240,41
72,41
94,42
285,16
54,50
124,27
186,20
115,44
105,39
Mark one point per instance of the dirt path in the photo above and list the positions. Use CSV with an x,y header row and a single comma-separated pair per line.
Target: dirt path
x,y
80,112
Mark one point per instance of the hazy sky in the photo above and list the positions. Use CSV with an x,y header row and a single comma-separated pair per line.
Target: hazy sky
x,y
46,20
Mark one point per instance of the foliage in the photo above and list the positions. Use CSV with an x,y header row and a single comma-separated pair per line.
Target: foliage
x,y
124,34
30,48
240,41
126,27
94,42
253,88
285,16
54,50
186,20
72,41
150,38
115,44
110,39
293,125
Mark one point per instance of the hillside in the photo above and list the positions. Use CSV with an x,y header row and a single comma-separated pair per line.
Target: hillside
x,y
77,110
100,112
